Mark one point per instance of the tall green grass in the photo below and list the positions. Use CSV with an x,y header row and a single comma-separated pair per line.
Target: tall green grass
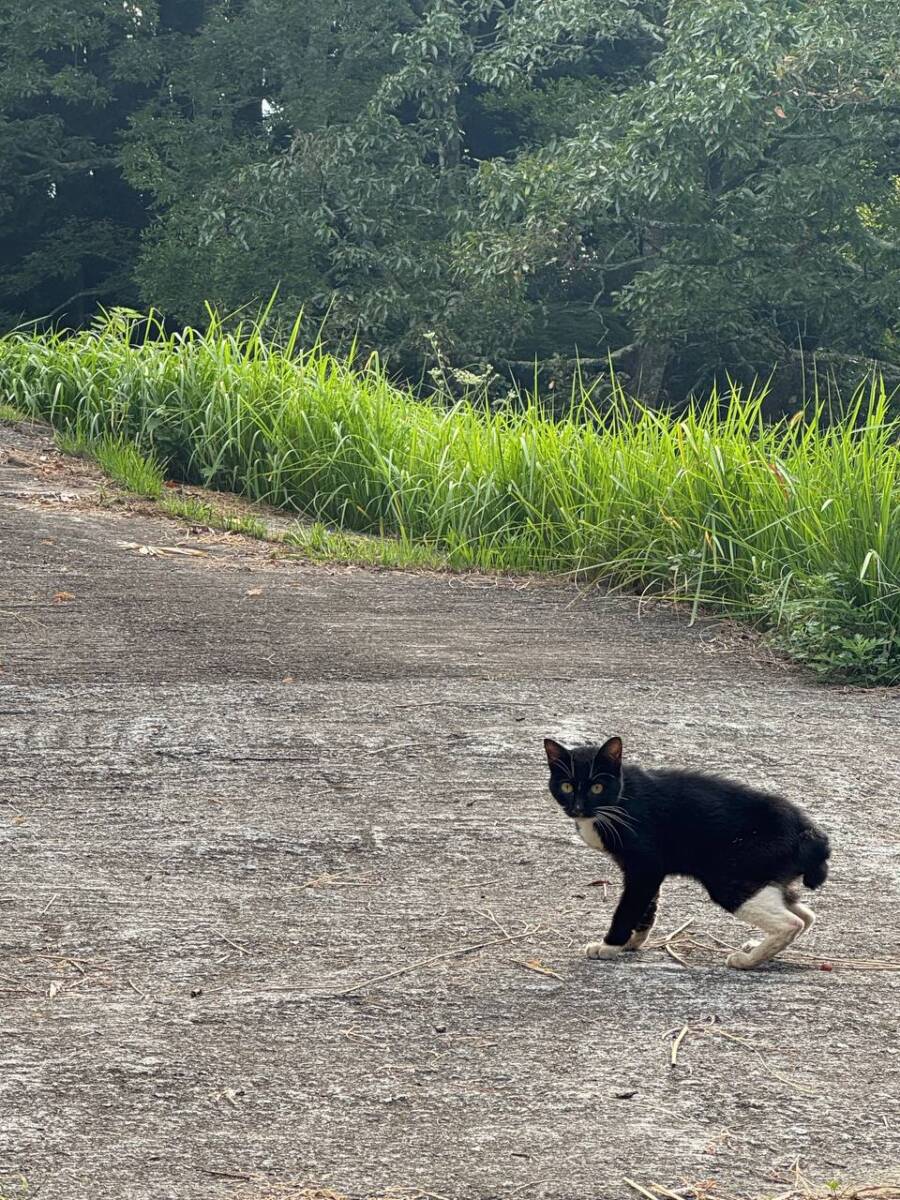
x,y
121,459
796,523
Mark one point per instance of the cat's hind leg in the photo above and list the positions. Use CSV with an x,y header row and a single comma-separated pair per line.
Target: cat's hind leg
x,y
792,900
768,910
806,915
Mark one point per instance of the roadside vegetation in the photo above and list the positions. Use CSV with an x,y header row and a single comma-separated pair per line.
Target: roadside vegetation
x,y
795,524
700,191
120,459
200,512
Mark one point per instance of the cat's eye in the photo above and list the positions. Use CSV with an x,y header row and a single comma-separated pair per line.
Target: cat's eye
x,y
596,789
566,789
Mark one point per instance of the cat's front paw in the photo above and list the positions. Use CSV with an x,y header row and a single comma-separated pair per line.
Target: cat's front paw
x,y
601,950
637,940
740,960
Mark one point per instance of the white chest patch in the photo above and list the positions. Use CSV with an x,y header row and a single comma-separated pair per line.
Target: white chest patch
x,y
587,831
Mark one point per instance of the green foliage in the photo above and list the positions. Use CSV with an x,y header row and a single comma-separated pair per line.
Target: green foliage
x,y
200,512
317,542
125,464
11,414
277,161
712,505
695,188
828,631
706,186
70,441
717,194
68,222
120,459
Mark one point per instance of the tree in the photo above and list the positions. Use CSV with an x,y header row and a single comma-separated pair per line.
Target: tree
x,y
69,75
274,162
692,188
724,196
352,188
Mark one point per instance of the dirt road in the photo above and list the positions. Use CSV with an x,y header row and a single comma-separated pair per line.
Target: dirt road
x,y
238,794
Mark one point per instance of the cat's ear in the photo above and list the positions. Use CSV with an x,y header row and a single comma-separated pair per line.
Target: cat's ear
x,y
555,752
611,750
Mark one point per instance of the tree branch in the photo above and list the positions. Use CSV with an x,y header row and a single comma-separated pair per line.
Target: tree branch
x,y
881,243
528,364
888,370
94,291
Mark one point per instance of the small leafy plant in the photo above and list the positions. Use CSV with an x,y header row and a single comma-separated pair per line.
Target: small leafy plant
x,y
838,638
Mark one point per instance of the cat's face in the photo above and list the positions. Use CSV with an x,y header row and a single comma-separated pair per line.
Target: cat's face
x,y
585,779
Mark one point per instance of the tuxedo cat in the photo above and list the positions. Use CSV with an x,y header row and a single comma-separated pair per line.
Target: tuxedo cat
x,y
749,849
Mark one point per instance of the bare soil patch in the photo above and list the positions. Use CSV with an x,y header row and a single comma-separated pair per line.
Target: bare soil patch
x,y
243,797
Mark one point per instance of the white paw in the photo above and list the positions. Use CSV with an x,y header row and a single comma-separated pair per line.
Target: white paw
x,y
636,941
746,947
740,960
601,950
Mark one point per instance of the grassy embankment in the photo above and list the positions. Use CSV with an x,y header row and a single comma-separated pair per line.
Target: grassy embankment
x,y
794,524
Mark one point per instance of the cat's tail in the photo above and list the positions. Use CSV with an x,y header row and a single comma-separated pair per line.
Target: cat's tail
x,y
814,852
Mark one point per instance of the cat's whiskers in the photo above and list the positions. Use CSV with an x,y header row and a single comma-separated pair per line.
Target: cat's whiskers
x,y
616,815
620,809
608,828
622,823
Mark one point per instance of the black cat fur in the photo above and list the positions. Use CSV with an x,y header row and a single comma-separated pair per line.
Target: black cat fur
x,y
748,848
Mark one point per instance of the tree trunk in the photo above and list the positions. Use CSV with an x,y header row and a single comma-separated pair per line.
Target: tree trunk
x,y
653,356
650,372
